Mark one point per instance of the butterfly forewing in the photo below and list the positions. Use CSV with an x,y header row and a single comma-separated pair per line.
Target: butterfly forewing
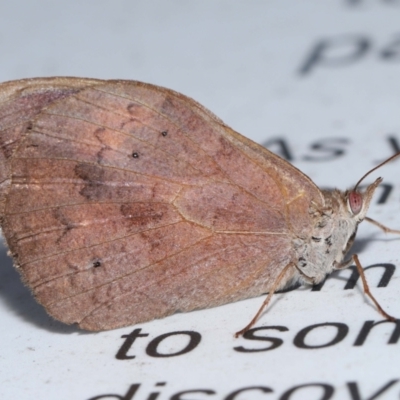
x,y
128,202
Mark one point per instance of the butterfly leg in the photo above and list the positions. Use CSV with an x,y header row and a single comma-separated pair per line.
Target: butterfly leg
x,y
274,288
383,227
343,265
365,284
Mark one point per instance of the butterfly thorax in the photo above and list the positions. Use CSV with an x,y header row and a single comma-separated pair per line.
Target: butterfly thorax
x,y
333,230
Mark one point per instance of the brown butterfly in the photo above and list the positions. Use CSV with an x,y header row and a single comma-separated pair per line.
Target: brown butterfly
x,y
122,202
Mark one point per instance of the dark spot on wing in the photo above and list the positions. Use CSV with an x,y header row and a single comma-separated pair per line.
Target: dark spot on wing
x,y
143,214
68,225
93,176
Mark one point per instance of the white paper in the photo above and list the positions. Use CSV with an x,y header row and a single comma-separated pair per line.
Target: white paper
x,y
316,80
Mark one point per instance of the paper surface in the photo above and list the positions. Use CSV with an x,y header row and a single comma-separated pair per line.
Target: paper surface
x,y
318,83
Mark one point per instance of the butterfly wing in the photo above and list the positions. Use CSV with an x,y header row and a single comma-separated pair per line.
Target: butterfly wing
x,y
128,202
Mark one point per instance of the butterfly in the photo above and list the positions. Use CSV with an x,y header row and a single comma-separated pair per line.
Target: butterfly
x,y
122,202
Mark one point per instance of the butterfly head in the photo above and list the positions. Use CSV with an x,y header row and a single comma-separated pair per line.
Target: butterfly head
x,y
358,202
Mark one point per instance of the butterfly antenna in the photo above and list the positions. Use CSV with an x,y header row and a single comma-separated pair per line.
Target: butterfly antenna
x,y
375,168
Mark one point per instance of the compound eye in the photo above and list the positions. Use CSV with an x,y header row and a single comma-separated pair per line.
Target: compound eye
x,y
355,202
